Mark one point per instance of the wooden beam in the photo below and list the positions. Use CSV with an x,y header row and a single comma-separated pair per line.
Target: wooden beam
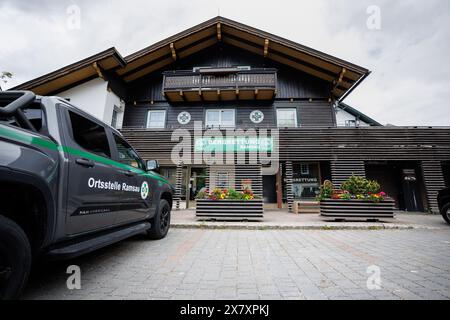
x,y
219,32
256,93
341,77
98,70
266,47
174,53
237,94
219,97
279,190
182,95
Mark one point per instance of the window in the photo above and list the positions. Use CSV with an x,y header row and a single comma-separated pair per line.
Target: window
x,y
114,117
350,123
89,135
287,118
222,180
34,113
127,155
156,119
220,118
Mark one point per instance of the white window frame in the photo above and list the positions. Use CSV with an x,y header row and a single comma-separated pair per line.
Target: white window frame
x,y
351,123
295,118
156,127
220,118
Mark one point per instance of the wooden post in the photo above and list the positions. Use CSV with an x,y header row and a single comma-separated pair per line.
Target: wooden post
x,y
279,187
289,177
188,183
179,181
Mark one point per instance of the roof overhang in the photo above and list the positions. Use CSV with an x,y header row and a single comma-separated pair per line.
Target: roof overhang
x,y
73,74
342,76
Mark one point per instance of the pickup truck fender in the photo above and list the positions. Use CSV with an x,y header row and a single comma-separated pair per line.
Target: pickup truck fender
x,y
39,184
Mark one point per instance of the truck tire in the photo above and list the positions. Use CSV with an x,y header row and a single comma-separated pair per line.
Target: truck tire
x,y
160,222
445,211
15,259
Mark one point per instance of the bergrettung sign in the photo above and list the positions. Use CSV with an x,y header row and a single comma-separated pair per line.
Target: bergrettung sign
x,y
234,144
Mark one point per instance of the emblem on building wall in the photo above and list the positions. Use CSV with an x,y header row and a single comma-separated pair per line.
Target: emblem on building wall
x,y
257,116
184,117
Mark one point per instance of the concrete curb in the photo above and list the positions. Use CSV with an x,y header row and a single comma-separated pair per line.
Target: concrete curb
x,y
221,226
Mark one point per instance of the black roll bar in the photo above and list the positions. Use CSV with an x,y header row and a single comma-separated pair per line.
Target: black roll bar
x,y
21,99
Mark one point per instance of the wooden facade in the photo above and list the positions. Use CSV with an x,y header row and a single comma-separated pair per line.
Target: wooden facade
x,y
222,64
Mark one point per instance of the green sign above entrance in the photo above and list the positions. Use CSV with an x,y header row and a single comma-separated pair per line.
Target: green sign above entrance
x,y
234,144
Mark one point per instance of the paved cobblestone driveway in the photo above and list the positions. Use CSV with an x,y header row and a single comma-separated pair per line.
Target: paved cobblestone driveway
x,y
239,264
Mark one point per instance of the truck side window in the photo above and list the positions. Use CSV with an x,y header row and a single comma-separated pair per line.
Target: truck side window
x,y
34,113
89,135
127,155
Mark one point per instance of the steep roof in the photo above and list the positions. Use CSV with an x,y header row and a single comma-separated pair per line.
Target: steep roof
x,y
74,73
342,75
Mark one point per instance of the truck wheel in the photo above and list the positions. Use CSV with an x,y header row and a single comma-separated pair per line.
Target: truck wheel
x,y
446,212
15,259
160,222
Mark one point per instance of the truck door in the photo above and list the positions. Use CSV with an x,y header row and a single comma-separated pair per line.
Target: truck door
x,y
135,194
93,194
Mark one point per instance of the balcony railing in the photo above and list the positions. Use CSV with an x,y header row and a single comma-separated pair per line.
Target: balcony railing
x,y
220,84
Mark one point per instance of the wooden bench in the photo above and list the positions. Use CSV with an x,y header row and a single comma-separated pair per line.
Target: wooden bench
x,y
306,207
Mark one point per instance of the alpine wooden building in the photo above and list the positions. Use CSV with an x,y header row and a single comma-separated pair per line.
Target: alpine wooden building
x,y
226,75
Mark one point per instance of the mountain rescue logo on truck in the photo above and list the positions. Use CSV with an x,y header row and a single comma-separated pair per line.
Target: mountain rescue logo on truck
x,y
144,190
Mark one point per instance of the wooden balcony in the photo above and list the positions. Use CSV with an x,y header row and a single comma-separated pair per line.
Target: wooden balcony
x,y
220,84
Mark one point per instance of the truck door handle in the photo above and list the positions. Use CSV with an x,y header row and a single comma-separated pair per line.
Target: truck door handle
x,y
129,173
85,162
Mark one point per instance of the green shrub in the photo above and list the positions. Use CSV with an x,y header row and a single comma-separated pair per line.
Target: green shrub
x,y
326,190
359,185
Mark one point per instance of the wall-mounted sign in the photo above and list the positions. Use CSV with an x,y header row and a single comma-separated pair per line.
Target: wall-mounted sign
x,y
257,116
246,184
304,180
234,144
184,117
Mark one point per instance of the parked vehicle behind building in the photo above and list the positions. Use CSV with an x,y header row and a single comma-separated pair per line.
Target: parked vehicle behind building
x,y
444,203
69,184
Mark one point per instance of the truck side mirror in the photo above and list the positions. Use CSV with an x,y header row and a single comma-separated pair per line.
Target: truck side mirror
x,y
152,165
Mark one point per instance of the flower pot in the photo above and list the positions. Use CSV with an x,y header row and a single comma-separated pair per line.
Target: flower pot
x,y
357,209
230,209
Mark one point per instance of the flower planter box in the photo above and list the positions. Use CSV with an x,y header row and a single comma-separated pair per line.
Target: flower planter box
x,y
357,209
230,209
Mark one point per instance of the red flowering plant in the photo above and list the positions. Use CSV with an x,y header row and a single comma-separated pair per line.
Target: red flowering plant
x,y
218,194
354,188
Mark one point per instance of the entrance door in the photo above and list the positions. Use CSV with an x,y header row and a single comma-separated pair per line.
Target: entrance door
x,y
198,181
411,193
269,189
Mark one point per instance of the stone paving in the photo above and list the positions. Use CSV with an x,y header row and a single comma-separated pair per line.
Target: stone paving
x,y
259,264
282,219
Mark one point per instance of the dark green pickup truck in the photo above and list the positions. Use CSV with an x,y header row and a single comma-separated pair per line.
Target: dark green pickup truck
x,y
69,184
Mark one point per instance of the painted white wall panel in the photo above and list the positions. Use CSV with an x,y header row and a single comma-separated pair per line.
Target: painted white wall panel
x,y
90,97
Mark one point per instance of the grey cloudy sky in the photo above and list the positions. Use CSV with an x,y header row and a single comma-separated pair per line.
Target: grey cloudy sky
x,y
408,56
